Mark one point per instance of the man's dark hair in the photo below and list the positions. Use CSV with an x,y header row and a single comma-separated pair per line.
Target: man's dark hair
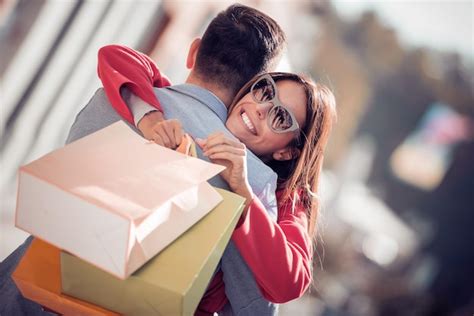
x,y
239,43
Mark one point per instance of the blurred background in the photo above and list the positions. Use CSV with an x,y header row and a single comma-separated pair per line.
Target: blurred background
x,y
397,221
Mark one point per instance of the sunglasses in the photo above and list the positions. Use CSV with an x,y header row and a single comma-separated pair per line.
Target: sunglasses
x,y
280,119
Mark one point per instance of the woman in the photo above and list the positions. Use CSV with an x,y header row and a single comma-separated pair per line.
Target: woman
x,y
285,120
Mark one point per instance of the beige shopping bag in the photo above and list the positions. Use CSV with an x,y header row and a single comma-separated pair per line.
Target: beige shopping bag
x,y
114,199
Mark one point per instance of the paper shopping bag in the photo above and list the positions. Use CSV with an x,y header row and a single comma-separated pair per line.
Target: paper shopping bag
x,y
38,277
113,198
173,282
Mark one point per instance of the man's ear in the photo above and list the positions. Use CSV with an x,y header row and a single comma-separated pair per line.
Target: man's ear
x,y
192,53
286,153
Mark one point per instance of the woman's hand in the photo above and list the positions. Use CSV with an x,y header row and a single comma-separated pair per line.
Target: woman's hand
x,y
232,154
167,133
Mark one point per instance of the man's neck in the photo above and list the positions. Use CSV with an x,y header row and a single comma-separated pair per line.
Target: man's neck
x,y
222,94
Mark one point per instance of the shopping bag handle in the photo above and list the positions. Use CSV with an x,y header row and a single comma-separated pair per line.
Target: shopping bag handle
x,y
187,146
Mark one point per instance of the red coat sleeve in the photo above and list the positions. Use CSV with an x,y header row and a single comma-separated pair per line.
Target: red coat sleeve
x,y
279,254
120,65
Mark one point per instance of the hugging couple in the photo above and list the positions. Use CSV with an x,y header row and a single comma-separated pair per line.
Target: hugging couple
x,y
269,129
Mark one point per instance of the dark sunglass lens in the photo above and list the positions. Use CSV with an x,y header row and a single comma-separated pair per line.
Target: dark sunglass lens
x,y
263,90
280,118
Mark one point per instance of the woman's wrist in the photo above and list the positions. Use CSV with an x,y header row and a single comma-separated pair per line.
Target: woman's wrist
x,y
146,123
246,192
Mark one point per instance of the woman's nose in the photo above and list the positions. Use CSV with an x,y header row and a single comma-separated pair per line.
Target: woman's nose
x,y
262,109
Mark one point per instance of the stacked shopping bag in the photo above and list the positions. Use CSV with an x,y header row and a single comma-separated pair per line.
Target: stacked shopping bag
x,y
121,226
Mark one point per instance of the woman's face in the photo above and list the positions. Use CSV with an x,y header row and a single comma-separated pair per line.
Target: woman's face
x,y
248,119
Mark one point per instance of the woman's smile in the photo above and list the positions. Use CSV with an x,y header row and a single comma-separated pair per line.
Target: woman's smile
x,y
248,123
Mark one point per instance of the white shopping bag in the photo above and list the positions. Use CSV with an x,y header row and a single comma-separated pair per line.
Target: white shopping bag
x,y
114,199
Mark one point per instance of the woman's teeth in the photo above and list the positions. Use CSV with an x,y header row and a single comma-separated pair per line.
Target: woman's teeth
x,y
248,123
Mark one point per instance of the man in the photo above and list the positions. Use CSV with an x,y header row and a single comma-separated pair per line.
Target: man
x,y
239,43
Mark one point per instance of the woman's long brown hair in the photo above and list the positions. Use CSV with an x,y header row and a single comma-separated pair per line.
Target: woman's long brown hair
x,y
299,177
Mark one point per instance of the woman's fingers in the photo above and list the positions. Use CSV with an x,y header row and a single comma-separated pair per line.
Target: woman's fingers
x,y
169,133
220,148
230,153
223,156
156,138
160,131
177,132
174,132
220,138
